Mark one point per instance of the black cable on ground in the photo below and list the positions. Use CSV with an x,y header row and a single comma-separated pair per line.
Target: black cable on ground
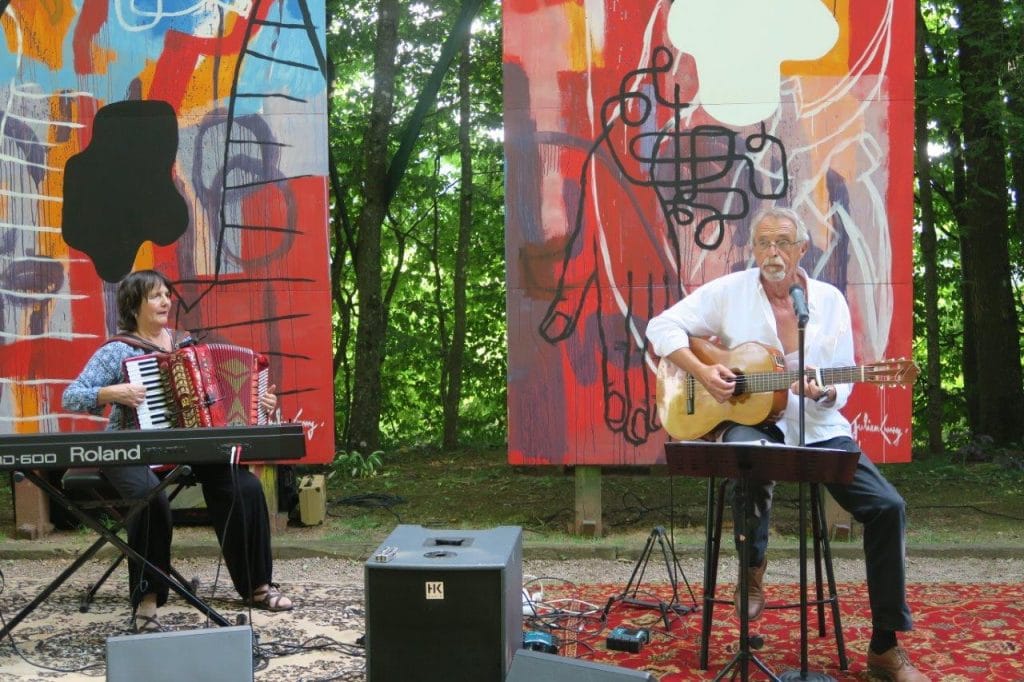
x,y
22,656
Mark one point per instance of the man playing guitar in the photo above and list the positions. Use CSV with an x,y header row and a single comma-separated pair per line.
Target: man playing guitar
x,y
756,305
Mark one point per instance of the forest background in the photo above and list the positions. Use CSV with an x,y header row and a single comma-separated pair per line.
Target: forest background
x,y
417,228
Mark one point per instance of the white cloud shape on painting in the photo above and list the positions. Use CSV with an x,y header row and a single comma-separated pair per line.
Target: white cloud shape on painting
x,y
739,46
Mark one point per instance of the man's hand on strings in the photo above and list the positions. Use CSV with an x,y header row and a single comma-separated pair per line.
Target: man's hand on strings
x,y
812,390
719,380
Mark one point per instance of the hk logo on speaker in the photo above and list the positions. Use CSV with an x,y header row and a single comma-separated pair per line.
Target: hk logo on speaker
x,y
434,589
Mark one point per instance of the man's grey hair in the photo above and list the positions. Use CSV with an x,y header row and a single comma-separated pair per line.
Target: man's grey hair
x,y
779,213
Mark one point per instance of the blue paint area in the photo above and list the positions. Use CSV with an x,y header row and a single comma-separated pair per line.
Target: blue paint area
x,y
282,60
138,38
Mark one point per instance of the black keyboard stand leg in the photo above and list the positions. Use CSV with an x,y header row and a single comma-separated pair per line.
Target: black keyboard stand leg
x,y
109,535
83,607
52,587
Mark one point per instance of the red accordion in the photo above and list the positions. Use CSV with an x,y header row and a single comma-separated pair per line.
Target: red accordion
x,y
213,384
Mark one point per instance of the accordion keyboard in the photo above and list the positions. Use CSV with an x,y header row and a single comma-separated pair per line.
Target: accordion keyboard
x,y
154,412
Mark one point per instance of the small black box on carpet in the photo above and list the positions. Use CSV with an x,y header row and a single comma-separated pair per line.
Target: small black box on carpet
x,y
627,639
540,641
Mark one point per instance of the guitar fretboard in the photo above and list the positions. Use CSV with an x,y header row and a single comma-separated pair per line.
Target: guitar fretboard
x,y
768,382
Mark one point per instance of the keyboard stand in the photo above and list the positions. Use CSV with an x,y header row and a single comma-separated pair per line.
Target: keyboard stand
x,y
108,535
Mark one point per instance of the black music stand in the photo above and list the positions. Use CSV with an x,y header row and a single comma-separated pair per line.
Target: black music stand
x,y
762,461
108,535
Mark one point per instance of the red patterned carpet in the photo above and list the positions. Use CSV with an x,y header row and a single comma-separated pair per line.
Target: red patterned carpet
x,y
962,632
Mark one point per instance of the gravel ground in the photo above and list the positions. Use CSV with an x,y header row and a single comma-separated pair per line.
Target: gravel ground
x,y
335,570
919,570
934,567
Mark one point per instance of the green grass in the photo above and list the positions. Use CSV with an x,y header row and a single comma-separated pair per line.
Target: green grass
x,y
947,503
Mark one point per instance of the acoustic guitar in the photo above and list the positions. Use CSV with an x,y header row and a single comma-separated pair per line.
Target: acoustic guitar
x,y
688,411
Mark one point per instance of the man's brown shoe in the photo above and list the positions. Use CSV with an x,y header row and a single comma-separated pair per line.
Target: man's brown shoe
x,y
894,666
755,592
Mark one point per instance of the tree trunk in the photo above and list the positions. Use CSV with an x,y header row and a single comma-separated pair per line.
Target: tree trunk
x,y
933,378
985,228
342,238
968,364
954,140
1015,105
371,330
452,388
380,182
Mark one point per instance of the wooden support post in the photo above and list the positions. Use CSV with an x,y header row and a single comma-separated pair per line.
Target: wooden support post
x,y
840,522
588,502
267,473
31,511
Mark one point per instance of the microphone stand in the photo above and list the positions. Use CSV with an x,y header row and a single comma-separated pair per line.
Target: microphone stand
x,y
803,674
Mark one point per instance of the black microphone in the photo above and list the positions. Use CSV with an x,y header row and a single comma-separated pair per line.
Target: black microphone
x,y
796,292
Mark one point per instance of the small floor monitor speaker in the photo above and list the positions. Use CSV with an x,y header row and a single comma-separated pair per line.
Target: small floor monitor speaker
x,y
535,666
444,605
210,654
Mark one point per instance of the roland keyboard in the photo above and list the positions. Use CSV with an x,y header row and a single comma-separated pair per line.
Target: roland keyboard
x,y
164,446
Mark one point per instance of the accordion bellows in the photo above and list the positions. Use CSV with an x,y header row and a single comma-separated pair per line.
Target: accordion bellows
x,y
213,384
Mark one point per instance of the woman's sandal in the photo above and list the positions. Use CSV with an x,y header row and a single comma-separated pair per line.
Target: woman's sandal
x,y
271,599
145,624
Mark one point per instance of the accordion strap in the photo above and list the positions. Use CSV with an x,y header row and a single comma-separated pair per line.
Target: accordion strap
x,y
136,342
142,344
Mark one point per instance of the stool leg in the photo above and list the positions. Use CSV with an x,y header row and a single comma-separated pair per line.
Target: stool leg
x,y
712,537
719,511
826,550
712,551
816,523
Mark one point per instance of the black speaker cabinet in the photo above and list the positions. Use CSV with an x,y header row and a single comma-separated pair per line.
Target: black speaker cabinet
x,y
535,666
444,605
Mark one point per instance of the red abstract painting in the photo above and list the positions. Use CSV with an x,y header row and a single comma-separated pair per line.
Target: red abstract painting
x,y
640,139
188,137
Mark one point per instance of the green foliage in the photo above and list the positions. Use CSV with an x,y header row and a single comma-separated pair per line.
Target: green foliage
x,y
352,464
420,234
940,90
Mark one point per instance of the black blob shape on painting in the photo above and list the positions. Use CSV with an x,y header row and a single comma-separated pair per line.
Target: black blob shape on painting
x,y
119,192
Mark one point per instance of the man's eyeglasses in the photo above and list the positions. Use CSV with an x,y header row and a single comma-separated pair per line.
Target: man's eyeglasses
x,y
780,244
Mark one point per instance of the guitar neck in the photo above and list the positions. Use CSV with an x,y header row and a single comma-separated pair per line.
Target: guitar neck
x,y
767,382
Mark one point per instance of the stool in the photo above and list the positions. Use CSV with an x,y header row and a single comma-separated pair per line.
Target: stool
x,y
90,482
822,553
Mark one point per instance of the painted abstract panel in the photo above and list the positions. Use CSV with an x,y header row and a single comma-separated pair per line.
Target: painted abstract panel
x,y
641,138
184,135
